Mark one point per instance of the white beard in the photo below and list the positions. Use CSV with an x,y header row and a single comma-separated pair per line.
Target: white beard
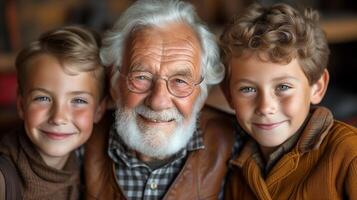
x,y
153,142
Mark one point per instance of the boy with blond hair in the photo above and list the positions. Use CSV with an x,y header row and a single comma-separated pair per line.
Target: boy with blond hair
x,y
276,60
61,86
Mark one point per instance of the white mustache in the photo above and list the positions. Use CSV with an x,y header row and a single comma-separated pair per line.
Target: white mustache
x,y
165,115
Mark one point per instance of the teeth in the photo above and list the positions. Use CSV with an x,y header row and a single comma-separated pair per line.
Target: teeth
x,y
157,120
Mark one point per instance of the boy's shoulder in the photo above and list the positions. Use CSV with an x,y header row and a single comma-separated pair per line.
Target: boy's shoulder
x,y
343,136
342,129
10,187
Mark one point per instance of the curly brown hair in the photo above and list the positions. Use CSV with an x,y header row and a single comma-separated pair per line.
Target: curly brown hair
x,y
280,32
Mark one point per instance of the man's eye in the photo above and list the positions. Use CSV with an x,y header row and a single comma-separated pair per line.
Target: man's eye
x,y
180,81
79,101
282,88
42,99
141,78
247,89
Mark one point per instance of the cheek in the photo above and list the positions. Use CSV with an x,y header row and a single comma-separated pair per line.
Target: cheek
x,y
242,106
296,109
185,108
83,120
35,115
129,99
132,100
186,105
294,106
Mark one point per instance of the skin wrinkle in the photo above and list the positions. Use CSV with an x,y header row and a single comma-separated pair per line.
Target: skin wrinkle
x,y
148,63
171,52
164,53
145,36
158,51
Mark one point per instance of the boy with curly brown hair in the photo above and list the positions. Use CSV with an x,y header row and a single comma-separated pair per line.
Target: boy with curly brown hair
x,y
276,60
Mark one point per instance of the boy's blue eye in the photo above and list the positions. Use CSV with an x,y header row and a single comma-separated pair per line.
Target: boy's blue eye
x,y
247,89
42,99
79,101
282,88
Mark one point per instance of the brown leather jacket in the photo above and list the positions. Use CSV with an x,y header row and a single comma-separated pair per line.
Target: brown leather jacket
x,y
200,178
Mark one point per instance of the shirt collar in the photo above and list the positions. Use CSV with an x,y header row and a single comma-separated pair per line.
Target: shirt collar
x,y
267,165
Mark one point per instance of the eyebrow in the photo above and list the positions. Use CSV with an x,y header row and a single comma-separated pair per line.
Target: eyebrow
x,y
184,71
286,77
138,67
71,93
244,80
39,89
81,92
275,79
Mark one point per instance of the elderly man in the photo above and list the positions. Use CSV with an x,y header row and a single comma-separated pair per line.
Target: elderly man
x,y
163,60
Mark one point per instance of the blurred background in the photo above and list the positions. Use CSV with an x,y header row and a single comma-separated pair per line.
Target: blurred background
x,y
23,21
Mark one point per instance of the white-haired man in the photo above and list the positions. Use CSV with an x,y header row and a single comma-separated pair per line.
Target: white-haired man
x,y
163,60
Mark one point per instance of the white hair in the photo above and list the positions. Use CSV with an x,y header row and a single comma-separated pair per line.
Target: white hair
x,y
158,13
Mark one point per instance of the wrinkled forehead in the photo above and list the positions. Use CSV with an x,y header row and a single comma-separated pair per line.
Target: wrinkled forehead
x,y
173,44
174,32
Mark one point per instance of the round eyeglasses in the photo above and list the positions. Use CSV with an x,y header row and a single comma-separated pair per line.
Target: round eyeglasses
x,y
178,85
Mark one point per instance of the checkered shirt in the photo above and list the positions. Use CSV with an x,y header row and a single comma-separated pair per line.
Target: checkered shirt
x,y
136,179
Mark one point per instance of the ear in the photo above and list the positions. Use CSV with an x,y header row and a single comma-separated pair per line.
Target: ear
x,y
19,105
102,107
319,88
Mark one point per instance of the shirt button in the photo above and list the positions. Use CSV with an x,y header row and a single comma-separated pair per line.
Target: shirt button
x,y
153,186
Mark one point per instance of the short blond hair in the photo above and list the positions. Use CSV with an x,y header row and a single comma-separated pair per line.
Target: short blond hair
x,y
280,32
70,45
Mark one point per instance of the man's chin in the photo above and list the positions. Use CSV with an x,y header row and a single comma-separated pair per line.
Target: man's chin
x,y
158,144
156,135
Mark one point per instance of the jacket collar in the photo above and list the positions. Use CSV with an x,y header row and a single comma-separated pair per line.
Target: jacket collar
x,y
315,130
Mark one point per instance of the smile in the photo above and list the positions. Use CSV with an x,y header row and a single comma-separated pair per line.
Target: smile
x,y
155,120
268,126
57,135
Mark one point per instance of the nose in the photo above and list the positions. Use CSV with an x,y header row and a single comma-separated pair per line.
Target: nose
x,y
267,104
159,97
58,114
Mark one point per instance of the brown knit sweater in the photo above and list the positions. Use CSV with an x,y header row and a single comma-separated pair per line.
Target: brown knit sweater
x,y
38,180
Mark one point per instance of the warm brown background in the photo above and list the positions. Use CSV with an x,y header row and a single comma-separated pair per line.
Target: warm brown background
x,y
23,21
